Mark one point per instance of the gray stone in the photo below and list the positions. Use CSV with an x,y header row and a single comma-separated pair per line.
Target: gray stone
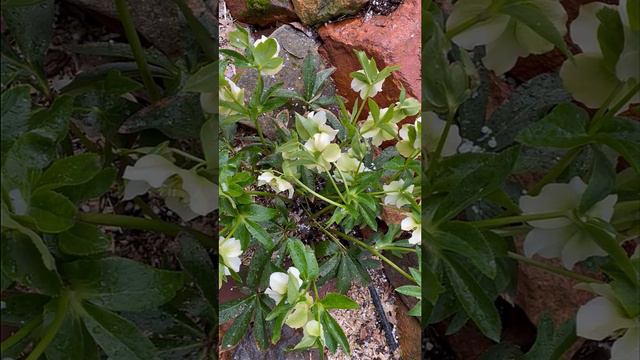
x,y
248,349
313,12
261,12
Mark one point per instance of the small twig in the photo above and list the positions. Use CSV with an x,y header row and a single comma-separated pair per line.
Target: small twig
x,y
386,325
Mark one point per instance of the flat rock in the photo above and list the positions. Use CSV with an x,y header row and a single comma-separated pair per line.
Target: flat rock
x,y
294,45
248,349
158,21
313,12
261,12
391,40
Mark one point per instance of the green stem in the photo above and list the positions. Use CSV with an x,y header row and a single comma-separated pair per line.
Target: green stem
x,y
373,251
52,331
468,24
552,269
186,155
555,171
302,185
518,219
600,117
233,229
360,108
136,48
132,222
321,211
201,34
335,186
21,334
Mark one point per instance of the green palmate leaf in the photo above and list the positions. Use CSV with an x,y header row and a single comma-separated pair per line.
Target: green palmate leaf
x,y
73,170
121,284
51,212
259,233
260,327
70,341
196,262
564,127
261,258
84,239
16,108
528,13
9,223
96,187
209,140
332,329
19,308
277,328
473,299
21,262
551,343
32,27
610,36
477,184
312,264
178,117
338,301
432,287
119,338
233,309
623,135
482,256
410,290
258,213
239,327
601,182
345,274
602,233
297,255
205,80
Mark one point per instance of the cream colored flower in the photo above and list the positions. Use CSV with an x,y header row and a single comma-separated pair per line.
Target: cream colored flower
x,y
229,250
279,282
379,130
324,152
310,333
604,317
265,55
314,123
411,142
397,194
505,37
365,89
186,193
434,128
562,237
591,64
411,223
300,314
277,183
229,92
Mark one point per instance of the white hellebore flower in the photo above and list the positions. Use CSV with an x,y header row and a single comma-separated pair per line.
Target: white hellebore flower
x,y
410,224
349,163
300,314
279,281
229,250
365,89
562,237
397,194
229,92
604,317
604,76
186,193
324,152
505,37
266,52
314,123
276,182
310,333
411,139
434,127
371,129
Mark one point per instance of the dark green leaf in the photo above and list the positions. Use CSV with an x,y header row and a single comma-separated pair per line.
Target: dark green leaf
x,y
20,308
196,262
51,212
205,80
69,341
605,237
96,187
9,223
564,127
338,301
610,36
72,170
623,135
297,254
334,329
16,108
232,309
239,327
259,233
32,27
601,182
83,239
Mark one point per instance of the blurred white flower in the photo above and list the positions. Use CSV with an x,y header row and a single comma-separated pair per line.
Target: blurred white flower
x,y
300,314
381,129
562,237
411,142
186,193
397,194
314,123
229,250
434,128
279,281
364,88
277,183
411,223
229,92
323,151
604,317
265,55
505,37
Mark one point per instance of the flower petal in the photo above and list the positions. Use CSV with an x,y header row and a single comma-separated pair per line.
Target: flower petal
x,y
584,29
154,169
135,188
628,346
580,247
601,81
547,243
203,194
481,33
552,197
179,207
278,282
600,318
503,53
331,153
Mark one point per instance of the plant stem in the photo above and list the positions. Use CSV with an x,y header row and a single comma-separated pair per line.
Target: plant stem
x,y
186,155
335,186
552,269
132,222
301,184
360,108
555,171
21,333
201,34
52,331
518,219
136,48
373,251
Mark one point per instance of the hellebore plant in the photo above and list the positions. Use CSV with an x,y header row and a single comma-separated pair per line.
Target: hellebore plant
x,y
321,174
584,207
